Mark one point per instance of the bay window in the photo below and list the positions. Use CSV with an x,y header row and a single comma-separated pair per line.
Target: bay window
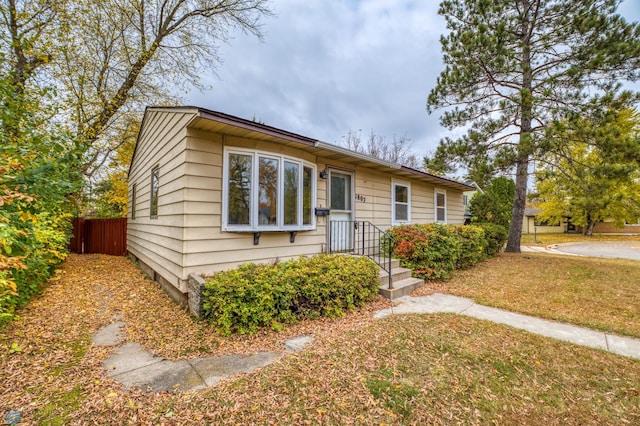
x,y
266,192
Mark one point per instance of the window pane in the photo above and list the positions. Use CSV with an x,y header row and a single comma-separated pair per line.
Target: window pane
x,y
307,192
401,212
268,191
239,189
440,214
340,192
291,182
440,200
133,201
155,185
402,194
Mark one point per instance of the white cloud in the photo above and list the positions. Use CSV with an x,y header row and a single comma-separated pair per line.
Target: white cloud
x,y
327,67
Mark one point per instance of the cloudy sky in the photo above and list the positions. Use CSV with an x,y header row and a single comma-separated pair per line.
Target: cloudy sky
x,y
326,67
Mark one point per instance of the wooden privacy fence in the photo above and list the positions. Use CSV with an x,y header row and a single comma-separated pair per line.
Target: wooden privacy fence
x,y
105,236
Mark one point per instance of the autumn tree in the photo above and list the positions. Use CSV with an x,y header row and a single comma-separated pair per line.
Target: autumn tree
x,y
513,66
109,59
397,150
594,175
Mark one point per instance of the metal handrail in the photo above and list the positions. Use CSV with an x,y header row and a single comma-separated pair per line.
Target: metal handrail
x,y
363,238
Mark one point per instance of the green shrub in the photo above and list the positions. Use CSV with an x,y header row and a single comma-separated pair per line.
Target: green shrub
x,y
253,296
496,236
431,251
473,245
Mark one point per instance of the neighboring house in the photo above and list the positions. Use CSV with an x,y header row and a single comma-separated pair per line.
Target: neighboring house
x,y
466,199
209,191
531,224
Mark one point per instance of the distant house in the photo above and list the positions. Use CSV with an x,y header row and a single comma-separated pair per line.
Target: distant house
x,y
209,191
466,199
531,224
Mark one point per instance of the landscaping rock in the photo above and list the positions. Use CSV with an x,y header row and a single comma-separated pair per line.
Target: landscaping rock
x,y
296,344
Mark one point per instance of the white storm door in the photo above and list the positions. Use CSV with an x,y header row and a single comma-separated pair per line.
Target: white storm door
x,y
341,205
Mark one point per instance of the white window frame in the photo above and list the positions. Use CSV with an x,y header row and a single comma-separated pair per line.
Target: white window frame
x,y
407,185
435,205
133,201
254,225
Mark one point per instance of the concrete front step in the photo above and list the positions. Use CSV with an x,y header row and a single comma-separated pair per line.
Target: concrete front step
x,y
401,288
397,274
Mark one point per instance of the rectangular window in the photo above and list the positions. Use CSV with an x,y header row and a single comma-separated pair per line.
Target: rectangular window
x,y
239,189
441,207
133,201
401,203
263,191
307,195
340,191
465,200
155,186
268,191
291,192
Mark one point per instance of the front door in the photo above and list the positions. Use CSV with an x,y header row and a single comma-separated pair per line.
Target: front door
x,y
341,205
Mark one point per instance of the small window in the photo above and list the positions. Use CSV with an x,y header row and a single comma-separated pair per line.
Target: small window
x,y
465,200
401,203
441,207
155,186
133,201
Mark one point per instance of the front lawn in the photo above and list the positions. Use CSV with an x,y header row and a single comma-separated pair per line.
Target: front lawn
x,y
546,239
413,369
592,292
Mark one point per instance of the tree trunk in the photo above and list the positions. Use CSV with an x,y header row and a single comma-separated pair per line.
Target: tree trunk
x,y
588,231
519,203
525,144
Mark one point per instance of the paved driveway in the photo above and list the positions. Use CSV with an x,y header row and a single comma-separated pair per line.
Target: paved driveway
x,y
617,249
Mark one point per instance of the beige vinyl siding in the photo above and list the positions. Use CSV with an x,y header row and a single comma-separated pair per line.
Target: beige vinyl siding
x,y
455,208
158,242
208,249
187,236
421,203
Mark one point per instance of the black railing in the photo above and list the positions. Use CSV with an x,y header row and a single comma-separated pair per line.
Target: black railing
x,y
362,238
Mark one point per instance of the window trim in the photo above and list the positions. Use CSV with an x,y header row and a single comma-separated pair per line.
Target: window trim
x,y
407,185
133,201
436,207
254,225
154,192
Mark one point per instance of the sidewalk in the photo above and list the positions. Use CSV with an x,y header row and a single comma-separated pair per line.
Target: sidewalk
x,y
437,302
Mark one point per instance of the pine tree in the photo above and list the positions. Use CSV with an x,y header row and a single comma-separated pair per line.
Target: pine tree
x,y
513,66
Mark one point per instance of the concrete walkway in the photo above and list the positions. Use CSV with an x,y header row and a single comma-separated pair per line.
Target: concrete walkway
x,y
133,366
437,302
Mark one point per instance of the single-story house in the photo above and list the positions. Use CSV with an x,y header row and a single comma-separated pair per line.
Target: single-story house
x,y
531,225
209,191
466,199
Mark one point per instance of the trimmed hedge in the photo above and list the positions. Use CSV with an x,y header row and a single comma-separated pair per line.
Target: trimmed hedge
x,y
253,296
496,236
431,251
473,245
434,251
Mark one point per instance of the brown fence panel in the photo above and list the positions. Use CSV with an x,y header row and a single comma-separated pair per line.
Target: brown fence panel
x,y
105,236
76,244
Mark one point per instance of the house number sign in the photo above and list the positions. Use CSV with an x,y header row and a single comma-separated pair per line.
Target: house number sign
x,y
361,198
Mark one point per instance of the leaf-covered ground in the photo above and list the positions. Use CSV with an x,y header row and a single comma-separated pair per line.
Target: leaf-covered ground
x,y
427,369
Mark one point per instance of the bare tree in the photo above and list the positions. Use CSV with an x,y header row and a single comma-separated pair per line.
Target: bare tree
x,y
398,150
109,59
